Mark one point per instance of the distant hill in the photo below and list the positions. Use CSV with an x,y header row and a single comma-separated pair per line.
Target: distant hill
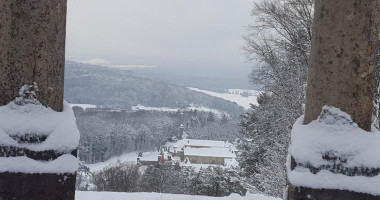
x,y
122,89
201,81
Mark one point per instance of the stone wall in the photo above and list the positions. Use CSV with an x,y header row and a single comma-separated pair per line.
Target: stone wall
x,y
206,160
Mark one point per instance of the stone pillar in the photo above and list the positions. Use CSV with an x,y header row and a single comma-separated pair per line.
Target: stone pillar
x,y
32,49
341,74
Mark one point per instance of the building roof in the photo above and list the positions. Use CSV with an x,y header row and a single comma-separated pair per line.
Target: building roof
x,y
204,143
209,152
149,156
198,143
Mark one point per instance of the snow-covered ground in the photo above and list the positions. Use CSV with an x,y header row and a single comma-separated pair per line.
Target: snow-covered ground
x,y
80,195
233,96
128,157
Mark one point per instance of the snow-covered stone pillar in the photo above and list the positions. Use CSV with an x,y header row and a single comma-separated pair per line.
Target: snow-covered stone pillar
x,y
333,152
38,134
32,49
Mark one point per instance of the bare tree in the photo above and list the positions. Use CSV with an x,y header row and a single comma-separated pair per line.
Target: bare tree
x,y
278,45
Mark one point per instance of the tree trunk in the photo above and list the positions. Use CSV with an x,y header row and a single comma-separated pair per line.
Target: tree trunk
x,y
341,73
343,59
32,49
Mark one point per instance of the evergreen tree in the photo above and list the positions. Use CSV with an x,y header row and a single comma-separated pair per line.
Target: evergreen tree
x,y
215,181
224,119
264,147
210,117
84,177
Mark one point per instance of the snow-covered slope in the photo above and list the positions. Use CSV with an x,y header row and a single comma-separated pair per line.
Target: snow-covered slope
x,y
125,158
80,195
233,96
120,89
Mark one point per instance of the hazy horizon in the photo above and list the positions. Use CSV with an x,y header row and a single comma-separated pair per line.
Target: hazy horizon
x,y
178,36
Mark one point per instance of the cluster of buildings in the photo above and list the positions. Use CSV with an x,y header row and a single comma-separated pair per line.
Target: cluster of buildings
x,y
194,153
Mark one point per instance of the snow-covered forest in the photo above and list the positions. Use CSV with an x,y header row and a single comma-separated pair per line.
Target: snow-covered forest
x,y
109,133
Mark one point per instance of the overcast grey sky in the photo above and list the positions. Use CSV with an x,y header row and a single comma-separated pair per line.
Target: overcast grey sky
x,y
202,35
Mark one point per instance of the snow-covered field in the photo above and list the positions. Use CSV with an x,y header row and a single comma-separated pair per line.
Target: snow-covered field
x,y
80,195
233,96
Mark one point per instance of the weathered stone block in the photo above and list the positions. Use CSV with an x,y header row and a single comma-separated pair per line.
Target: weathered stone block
x,y
21,186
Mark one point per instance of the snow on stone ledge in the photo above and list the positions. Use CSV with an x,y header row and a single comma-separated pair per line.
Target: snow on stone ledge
x,y
81,195
327,180
335,133
64,164
60,127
